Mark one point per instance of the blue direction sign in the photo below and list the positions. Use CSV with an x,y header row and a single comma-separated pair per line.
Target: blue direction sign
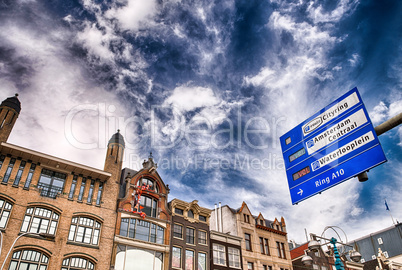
x,y
334,145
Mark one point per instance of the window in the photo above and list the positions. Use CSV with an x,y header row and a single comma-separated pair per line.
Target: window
x,y
40,220
202,237
189,260
82,188
190,214
219,254
77,263
2,157
234,257
128,258
91,191
324,267
362,260
99,196
142,230
247,238
51,183
28,259
176,257
30,174
5,209
178,231
73,186
264,267
178,211
278,248
19,173
203,218
283,251
250,266
266,244
380,241
151,183
262,223
149,205
202,261
190,235
246,218
262,245
84,230
9,169
386,254
315,267
373,257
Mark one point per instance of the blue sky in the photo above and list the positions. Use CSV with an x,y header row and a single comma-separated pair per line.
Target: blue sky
x,y
208,87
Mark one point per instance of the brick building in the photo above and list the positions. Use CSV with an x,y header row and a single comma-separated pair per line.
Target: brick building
x,y
62,212
190,236
143,220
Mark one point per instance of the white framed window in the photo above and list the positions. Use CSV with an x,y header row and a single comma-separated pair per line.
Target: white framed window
x,y
84,230
362,260
76,263
219,255
40,220
28,259
380,242
234,257
386,254
373,257
5,210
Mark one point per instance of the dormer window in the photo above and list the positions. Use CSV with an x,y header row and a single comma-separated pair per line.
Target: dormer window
x,y
151,183
190,214
261,222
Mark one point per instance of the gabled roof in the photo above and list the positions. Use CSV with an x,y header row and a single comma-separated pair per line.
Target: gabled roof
x,y
299,251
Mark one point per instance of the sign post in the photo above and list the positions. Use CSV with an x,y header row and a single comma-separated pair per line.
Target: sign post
x,y
334,145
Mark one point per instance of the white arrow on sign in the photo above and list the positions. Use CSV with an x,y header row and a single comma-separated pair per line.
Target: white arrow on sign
x,y
300,192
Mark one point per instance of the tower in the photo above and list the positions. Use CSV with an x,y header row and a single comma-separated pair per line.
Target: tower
x,y
9,111
114,154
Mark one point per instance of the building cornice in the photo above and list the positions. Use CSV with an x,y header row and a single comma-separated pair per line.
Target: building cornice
x,y
54,162
270,229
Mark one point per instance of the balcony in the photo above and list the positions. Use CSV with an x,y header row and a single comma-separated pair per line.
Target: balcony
x,y
49,190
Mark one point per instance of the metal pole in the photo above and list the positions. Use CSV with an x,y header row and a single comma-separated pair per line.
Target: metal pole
x,y
380,129
11,248
338,262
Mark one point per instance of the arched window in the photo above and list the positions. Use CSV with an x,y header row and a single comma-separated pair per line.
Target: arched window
x,y
40,220
84,230
28,259
5,209
76,263
150,206
190,214
152,185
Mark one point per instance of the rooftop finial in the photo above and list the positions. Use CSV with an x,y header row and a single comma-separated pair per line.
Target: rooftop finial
x,y
150,155
118,131
16,94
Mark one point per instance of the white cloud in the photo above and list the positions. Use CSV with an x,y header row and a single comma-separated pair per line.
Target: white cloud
x,y
382,112
133,14
319,15
354,61
187,98
96,42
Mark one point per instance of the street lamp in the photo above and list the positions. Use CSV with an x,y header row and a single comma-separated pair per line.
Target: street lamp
x,y
314,246
43,235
